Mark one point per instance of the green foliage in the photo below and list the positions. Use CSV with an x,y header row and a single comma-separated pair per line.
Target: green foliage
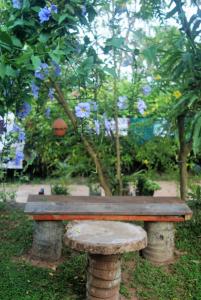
x,y
59,189
158,154
146,186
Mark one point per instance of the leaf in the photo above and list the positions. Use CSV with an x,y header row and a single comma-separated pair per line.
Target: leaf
x,y
2,70
110,71
193,99
43,37
64,17
91,13
150,53
25,57
115,42
5,38
26,4
36,8
36,61
18,22
197,133
10,71
16,42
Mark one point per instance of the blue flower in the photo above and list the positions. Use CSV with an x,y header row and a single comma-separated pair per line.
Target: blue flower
x,y
84,10
82,110
54,8
21,136
19,156
16,128
97,126
107,124
47,112
146,90
2,127
51,93
35,90
127,62
24,111
42,71
17,4
57,68
122,102
39,75
44,14
141,105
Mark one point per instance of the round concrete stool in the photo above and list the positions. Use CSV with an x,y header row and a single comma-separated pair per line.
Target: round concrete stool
x,y
104,241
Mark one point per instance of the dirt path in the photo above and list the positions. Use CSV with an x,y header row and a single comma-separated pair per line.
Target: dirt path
x,y
168,188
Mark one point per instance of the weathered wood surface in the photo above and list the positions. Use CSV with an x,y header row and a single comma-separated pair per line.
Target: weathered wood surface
x,y
109,208
99,199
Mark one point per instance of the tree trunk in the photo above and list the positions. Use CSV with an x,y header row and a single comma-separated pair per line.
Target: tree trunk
x,y
184,150
90,150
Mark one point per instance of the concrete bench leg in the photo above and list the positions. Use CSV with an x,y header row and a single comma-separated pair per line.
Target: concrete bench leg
x,y
47,240
160,248
103,277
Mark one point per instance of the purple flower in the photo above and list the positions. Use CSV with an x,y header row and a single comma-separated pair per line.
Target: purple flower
x,y
127,62
19,156
122,102
24,111
54,8
141,105
42,71
107,124
97,126
82,110
146,90
51,93
21,136
57,68
2,127
39,75
35,90
17,4
47,112
44,14
84,10
16,128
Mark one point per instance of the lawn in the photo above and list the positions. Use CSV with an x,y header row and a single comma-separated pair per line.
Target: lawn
x,y
22,281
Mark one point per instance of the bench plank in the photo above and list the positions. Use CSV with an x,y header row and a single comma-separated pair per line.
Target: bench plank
x,y
99,199
81,208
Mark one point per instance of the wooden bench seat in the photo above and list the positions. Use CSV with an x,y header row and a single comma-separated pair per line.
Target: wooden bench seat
x,y
158,209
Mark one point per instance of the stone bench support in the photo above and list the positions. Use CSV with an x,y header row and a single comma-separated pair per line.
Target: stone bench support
x,y
47,240
161,242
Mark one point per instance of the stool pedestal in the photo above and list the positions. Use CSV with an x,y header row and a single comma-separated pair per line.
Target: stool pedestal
x,y
104,241
103,276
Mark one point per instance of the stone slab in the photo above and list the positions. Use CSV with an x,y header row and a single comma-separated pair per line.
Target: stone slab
x,y
105,237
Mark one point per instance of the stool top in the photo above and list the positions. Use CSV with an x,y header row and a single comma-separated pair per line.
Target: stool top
x,y
105,237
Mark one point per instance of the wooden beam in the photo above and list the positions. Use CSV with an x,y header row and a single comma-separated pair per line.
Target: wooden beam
x,y
50,217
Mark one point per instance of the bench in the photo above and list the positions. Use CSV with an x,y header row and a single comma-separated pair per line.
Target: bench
x,y
158,213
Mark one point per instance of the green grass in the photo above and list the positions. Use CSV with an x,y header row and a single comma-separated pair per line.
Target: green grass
x,y
21,281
